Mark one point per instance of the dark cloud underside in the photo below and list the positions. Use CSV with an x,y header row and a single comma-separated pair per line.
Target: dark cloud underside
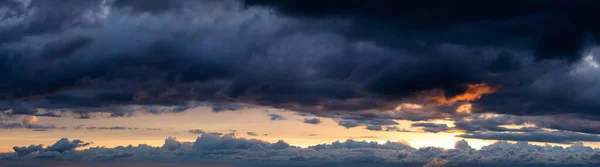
x,y
354,61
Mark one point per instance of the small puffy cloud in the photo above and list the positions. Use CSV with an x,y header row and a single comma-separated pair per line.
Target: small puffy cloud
x,y
27,120
172,144
462,144
312,120
348,123
276,117
252,133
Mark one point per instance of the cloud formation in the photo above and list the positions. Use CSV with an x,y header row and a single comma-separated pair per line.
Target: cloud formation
x,y
312,120
299,76
276,117
367,64
211,149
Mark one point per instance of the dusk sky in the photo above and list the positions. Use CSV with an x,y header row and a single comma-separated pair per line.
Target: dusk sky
x,y
299,82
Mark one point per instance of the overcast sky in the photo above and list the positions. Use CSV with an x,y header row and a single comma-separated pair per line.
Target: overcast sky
x,y
419,74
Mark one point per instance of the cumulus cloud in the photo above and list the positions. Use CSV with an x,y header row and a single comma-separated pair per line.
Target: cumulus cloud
x,y
64,144
171,144
462,144
207,142
252,133
60,146
351,144
23,151
211,149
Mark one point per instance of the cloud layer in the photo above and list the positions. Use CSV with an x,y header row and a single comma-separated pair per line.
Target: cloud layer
x,y
214,149
364,65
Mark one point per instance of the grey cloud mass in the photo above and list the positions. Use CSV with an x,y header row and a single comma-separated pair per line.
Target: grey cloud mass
x,y
534,63
210,149
163,69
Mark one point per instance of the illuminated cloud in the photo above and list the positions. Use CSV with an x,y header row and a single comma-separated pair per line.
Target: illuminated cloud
x,y
465,108
27,120
473,92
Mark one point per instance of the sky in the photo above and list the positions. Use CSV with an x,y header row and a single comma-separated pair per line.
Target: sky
x,y
383,82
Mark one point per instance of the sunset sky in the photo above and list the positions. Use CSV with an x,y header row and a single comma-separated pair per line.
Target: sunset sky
x,y
187,76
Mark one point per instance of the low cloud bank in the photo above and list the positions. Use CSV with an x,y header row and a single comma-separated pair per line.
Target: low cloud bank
x,y
228,148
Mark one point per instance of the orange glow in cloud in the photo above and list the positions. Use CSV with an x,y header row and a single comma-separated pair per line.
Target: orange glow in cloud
x,y
473,92
29,120
465,108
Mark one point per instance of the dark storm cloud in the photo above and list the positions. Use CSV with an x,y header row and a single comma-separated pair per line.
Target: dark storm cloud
x,y
543,30
164,71
64,48
148,6
550,30
356,65
27,18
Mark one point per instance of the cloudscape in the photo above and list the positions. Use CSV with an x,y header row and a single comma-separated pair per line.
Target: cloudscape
x,y
216,83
